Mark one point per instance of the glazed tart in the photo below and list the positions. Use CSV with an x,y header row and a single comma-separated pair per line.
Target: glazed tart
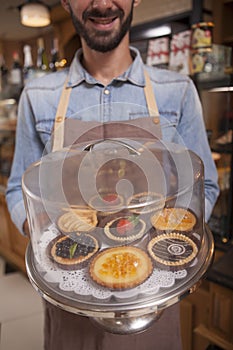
x,y
73,251
77,219
125,229
121,268
106,203
172,250
145,202
178,219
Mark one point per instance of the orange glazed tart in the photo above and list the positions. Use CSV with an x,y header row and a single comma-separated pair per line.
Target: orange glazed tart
x,y
77,219
121,267
73,251
178,219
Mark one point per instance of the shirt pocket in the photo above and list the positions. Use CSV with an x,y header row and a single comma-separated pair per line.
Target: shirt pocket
x,y
169,122
44,129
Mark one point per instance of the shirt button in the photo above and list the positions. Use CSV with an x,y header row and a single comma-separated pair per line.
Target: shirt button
x,y
106,92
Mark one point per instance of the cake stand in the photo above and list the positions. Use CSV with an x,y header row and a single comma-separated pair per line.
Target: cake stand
x,y
120,314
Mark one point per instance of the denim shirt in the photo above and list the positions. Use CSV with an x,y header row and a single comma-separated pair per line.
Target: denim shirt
x,y
122,99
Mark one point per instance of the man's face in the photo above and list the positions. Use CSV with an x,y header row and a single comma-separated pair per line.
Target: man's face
x,y
101,23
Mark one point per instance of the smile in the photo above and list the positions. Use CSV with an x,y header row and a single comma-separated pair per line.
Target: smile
x,y
102,21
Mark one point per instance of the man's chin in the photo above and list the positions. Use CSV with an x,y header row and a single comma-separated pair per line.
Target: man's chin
x,y
102,46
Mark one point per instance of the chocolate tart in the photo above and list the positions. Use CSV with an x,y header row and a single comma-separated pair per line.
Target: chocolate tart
x,y
125,228
121,268
77,219
173,219
73,251
172,250
145,202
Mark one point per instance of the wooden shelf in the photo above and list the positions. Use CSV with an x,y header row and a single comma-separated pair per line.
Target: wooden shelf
x,y
213,337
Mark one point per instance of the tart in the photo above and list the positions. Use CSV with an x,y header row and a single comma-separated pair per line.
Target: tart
x,y
77,219
121,268
172,250
106,203
73,251
145,202
125,228
178,219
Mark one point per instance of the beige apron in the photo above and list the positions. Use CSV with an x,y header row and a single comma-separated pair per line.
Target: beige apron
x,y
68,131
67,331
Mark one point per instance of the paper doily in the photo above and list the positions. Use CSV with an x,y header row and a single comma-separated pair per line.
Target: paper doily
x,y
79,282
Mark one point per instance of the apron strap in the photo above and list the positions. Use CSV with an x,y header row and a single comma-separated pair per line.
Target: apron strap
x,y
150,98
59,124
58,133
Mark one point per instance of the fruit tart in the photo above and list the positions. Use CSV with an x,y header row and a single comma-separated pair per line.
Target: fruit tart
x,y
170,219
121,268
77,218
73,251
125,228
145,202
106,203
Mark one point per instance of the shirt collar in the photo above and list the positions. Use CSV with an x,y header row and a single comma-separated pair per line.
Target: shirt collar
x,y
134,74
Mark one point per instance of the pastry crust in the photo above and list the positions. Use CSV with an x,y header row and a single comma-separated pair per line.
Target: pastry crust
x,y
178,219
73,250
121,267
173,250
145,202
137,232
77,219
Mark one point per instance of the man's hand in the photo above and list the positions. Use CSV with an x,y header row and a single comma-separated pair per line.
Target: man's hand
x,y
26,228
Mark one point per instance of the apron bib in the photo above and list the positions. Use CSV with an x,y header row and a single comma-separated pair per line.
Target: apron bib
x,y
68,131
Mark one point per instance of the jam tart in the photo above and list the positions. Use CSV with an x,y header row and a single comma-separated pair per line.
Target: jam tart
x,y
170,219
106,203
121,268
125,228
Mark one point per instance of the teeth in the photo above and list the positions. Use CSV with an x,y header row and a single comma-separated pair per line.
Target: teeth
x,y
102,21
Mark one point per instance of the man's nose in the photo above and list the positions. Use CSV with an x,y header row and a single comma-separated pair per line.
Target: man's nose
x,y
102,4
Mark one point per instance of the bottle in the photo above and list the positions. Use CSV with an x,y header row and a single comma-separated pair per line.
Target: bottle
x,y
42,60
15,85
16,74
3,74
54,63
28,68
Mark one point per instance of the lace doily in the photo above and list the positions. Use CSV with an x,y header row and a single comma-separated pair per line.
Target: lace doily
x,y
78,281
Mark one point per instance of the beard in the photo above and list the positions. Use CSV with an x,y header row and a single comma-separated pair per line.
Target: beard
x,y
102,40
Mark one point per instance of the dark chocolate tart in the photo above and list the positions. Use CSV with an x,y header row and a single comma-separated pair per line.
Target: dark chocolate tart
x,y
172,251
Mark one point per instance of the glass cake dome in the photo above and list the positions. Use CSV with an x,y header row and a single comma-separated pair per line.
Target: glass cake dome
x,y
117,228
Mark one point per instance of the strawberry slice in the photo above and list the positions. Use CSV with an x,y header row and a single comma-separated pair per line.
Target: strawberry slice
x,y
126,225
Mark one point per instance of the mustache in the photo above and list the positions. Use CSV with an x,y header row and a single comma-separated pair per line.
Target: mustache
x,y
98,14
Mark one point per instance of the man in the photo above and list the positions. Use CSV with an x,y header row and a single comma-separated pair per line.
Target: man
x,y
109,74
